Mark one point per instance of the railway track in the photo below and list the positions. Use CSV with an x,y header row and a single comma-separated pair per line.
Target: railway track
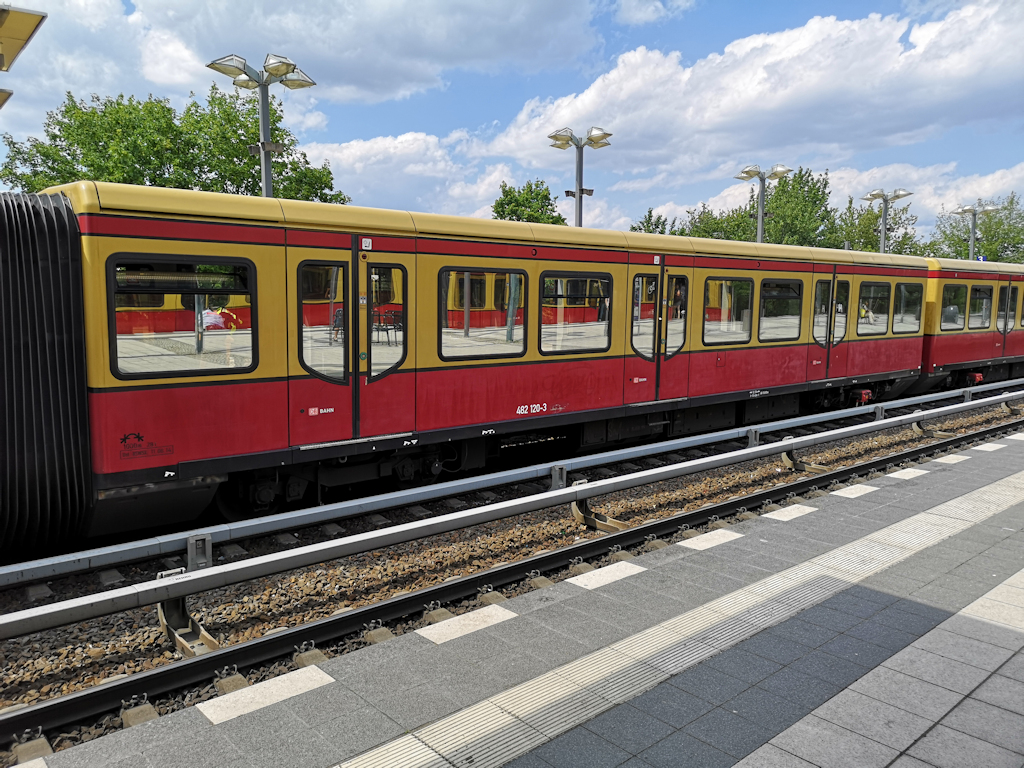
x,y
753,485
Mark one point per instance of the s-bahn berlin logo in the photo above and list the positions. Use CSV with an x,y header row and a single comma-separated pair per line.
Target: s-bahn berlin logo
x,y
135,446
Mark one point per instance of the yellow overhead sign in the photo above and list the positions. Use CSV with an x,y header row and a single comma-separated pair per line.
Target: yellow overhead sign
x,y
17,26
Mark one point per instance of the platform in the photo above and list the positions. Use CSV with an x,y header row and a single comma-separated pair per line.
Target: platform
x,y
879,625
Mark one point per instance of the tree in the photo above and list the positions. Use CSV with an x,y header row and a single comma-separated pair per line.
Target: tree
x,y
859,226
654,225
531,202
131,141
797,211
734,224
1000,234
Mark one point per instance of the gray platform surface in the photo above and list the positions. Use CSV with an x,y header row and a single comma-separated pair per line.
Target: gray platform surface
x,y
882,663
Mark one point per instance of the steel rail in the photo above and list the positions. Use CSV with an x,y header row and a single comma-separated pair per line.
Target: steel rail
x,y
127,598
60,712
172,544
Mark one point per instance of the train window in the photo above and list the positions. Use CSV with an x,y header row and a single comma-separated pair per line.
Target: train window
x,y
780,310
575,313
822,307
981,307
387,315
323,342
727,310
675,330
483,330
1006,310
645,314
202,324
954,308
842,306
906,309
873,309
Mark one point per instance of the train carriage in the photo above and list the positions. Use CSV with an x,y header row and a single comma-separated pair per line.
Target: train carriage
x,y
250,352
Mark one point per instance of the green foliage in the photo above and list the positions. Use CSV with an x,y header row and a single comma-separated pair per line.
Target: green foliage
x,y
859,226
797,211
734,224
654,225
129,141
1000,235
531,202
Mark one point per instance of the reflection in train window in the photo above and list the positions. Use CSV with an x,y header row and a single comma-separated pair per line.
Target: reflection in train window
x,y
487,328
388,341
727,310
873,309
780,310
645,314
182,318
323,346
906,309
1006,310
981,307
822,307
953,315
675,322
575,313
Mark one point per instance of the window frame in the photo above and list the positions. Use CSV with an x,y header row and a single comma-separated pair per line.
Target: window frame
x,y
830,282
655,340
967,306
704,314
888,308
557,274
122,257
892,318
346,328
760,309
991,302
1009,287
442,309
370,377
686,316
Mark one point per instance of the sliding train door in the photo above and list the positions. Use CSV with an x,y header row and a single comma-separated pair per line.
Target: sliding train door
x,y
826,358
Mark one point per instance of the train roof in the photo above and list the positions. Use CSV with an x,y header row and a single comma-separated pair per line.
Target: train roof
x,y
104,197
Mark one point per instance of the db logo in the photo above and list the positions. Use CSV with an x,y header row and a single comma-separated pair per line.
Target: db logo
x,y
320,411
314,411
637,380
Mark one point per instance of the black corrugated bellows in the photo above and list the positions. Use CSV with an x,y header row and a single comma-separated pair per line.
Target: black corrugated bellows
x,y
45,493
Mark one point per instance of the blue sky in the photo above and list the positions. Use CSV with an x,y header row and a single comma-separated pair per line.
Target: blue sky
x,y
429,105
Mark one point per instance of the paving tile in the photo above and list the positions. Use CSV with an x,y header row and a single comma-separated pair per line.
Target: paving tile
x,y
766,709
533,638
893,584
580,748
529,760
774,648
770,756
909,693
882,635
906,761
799,688
932,668
965,649
945,748
856,606
681,749
987,722
858,651
984,630
728,732
869,717
358,731
829,746
826,617
323,704
872,595
708,684
672,705
274,736
906,622
745,666
629,728
1014,668
1003,692
828,667
542,598
803,632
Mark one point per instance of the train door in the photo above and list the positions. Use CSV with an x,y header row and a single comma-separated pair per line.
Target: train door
x,y
1006,314
674,361
319,368
386,340
829,331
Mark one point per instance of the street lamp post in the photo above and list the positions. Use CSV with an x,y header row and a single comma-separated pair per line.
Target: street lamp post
x,y
754,172
973,212
565,138
276,69
879,194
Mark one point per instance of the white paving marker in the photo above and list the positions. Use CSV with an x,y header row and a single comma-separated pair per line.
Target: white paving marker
x,y
458,626
1018,436
988,447
854,491
578,691
951,459
708,540
790,513
908,474
606,575
263,694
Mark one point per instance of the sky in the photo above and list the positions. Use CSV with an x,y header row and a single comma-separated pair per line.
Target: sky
x,y
428,105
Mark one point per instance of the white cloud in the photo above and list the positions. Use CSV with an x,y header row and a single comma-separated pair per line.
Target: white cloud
x,y
166,60
636,12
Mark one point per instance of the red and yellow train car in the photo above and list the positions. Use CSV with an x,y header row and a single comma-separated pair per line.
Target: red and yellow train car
x,y
247,351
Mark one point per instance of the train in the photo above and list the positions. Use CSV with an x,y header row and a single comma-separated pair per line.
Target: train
x,y
167,352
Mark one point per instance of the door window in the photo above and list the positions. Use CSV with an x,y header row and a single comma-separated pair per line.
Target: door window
x,y
727,311
387,318
323,346
822,308
675,323
954,308
981,307
645,314
873,309
1006,310
906,310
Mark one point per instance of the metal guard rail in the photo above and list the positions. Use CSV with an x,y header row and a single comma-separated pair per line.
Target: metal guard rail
x,y
190,583
172,544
